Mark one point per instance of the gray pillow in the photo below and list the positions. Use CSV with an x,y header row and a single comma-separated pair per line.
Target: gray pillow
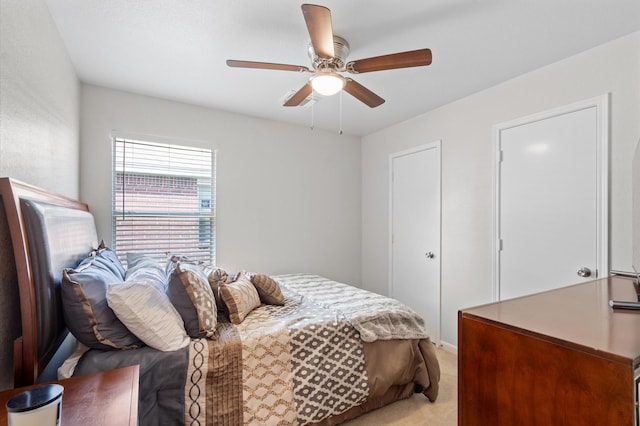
x,y
191,295
146,268
84,303
108,258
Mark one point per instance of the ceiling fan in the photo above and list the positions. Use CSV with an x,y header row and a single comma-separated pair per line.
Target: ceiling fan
x,y
328,53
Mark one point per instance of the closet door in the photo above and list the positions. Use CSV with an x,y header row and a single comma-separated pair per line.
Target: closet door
x,y
551,208
415,232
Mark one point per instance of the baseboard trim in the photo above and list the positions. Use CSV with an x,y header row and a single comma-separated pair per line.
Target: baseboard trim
x,y
449,347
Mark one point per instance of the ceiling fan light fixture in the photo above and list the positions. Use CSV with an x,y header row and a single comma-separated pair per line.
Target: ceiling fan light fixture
x,y
327,83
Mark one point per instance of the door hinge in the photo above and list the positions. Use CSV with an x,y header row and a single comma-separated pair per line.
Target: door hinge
x,y
500,245
501,156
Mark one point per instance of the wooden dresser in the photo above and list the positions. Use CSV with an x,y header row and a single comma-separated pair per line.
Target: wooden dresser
x,y
561,357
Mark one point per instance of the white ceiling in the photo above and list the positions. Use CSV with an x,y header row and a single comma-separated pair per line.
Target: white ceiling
x,y
176,49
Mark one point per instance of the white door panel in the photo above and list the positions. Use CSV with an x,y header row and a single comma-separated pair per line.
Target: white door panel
x,y
549,205
415,232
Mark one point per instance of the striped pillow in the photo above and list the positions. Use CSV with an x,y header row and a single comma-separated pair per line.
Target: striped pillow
x,y
240,297
268,289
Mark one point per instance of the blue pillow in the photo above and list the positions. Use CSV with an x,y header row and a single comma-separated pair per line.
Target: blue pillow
x,y
84,302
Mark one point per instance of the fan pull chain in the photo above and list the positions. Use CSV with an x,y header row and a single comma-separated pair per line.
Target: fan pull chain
x,y
340,131
312,111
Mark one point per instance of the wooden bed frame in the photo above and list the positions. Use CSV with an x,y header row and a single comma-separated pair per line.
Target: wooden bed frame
x,y
40,350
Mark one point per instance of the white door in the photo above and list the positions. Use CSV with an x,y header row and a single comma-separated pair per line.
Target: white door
x,y
415,232
552,200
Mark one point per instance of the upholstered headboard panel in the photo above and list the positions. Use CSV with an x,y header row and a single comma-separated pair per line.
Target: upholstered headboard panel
x,y
59,237
48,233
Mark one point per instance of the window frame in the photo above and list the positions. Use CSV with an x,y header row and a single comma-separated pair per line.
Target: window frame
x,y
160,253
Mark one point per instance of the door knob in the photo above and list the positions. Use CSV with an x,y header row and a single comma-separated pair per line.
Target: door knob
x,y
584,272
430,255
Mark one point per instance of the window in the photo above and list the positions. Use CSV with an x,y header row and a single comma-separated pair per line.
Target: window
x,y
163,199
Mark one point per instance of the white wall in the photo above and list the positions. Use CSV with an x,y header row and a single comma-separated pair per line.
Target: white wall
x,y
39,125
39,95
288,198
467,167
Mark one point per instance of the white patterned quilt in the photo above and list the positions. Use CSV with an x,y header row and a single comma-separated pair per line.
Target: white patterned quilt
x,y
375,317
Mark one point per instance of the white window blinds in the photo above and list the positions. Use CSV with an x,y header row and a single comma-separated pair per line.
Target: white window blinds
x,y
163,200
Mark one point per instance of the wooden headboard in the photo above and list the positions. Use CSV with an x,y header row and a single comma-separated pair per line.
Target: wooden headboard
x,y
48,233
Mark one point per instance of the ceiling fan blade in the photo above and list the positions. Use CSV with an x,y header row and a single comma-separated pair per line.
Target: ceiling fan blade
x,y
266,66
299,96
318,19
363,94
413,58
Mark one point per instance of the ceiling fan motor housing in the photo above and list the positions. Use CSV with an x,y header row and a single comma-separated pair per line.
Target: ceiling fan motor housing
x,y
341,51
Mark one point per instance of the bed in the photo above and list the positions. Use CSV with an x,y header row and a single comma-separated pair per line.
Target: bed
x,y
321,352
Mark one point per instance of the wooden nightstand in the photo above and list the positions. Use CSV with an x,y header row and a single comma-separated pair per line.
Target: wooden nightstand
x,y
106,398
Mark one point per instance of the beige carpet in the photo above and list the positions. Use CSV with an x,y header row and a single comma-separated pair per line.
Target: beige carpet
x,y
417,410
